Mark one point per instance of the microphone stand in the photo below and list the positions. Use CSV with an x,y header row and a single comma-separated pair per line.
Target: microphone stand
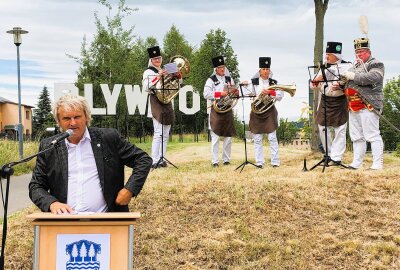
x,y
162,158
5,172
244,135
324,162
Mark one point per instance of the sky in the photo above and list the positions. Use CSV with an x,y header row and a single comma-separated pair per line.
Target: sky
x,y
281,29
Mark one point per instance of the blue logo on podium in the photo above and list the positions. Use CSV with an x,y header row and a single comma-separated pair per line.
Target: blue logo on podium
x,y
83,255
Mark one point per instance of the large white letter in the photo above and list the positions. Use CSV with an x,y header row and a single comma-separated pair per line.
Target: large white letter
x,y
61,89
183,102
88,89
135,98
111,98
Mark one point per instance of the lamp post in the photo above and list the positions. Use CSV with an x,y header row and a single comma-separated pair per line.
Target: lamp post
x,y
17,32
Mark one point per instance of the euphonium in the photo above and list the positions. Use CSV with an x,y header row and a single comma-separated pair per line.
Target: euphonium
x,y
168,87
263,103
226,103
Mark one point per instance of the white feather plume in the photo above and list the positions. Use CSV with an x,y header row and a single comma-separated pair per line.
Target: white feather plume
x,y
363,23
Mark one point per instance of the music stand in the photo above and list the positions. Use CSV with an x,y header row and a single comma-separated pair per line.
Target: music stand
x,y
324,162
162,157
244,133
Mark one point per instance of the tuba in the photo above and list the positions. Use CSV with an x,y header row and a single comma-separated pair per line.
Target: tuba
x,y
168,86
263,103
226,103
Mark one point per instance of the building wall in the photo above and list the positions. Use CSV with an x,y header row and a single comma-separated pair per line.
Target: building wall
x,y
9,116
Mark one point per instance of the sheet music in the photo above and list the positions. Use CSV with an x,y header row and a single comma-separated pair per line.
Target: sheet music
x,y
171,68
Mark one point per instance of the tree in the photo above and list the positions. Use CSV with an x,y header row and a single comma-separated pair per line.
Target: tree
x,y
321,7
215,43
286,131
74,252
176,44
108,60
92,252
391,111
42,116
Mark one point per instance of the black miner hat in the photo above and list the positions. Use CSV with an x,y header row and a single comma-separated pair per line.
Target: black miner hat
x,y
154,51
334,47
218,61
264,62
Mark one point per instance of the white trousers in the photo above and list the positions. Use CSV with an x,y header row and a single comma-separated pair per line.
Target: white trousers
x,y
364,127
226,148
337,146
273,146
159,134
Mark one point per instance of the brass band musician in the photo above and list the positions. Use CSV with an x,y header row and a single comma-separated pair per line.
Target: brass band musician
x,y
333,102
221,123
162,114
364,93
265,122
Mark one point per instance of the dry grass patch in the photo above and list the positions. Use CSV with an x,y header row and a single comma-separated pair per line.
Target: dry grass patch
x,y
199,217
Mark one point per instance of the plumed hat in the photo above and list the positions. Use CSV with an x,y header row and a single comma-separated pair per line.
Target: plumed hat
x,y
361,43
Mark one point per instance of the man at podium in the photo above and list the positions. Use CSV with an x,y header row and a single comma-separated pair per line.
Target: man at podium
x,y
84,172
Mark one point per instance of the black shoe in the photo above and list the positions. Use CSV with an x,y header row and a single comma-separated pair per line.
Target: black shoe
x,y
154,166
227,163
275,166
260,166
215,165
163,164
336,163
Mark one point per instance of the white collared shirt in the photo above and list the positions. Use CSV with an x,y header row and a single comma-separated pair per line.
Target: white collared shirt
x,y
84,189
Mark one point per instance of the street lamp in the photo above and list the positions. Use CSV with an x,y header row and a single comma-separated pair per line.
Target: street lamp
x,y
17,32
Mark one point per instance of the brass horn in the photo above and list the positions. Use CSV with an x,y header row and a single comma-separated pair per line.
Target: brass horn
x,y
168,87
263,103
226,103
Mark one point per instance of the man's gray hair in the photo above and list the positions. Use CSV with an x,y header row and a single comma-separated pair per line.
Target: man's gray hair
x,y
71,102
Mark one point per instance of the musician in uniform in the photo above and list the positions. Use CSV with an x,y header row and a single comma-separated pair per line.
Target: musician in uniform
x,y
365,97
221,124
266,122
162,114
333,101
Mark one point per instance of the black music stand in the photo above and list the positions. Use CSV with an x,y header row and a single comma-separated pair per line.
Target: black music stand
x,y
162,157
324,162
244,133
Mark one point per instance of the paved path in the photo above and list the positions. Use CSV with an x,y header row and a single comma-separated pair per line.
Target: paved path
x,y
18,194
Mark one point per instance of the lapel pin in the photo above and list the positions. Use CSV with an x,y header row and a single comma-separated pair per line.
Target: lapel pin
x,y
98,145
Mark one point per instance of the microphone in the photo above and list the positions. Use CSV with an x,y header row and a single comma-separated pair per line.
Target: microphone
x,y
64,135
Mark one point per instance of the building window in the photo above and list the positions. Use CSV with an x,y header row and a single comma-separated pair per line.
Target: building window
x,y
27,115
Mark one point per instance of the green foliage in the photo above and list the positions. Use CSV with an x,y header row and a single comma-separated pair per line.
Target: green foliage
x,y
286,131
391,111
42,116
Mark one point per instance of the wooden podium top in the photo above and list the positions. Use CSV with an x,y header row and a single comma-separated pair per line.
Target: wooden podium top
x,y
120,216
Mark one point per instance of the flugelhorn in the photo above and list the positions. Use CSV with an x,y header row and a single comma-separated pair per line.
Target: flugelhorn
x,y
263,103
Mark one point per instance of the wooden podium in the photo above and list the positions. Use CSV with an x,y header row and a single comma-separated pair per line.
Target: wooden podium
x,y
117,227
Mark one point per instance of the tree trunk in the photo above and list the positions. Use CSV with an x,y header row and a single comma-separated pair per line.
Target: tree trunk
x,y
320,9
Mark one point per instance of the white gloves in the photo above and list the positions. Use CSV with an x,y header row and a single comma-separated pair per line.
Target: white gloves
x,y
349,75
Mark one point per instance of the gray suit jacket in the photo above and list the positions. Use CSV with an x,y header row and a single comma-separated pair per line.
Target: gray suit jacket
x,y
49,181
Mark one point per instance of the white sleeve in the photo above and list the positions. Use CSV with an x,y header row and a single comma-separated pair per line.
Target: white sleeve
x,y
209,89
149,79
